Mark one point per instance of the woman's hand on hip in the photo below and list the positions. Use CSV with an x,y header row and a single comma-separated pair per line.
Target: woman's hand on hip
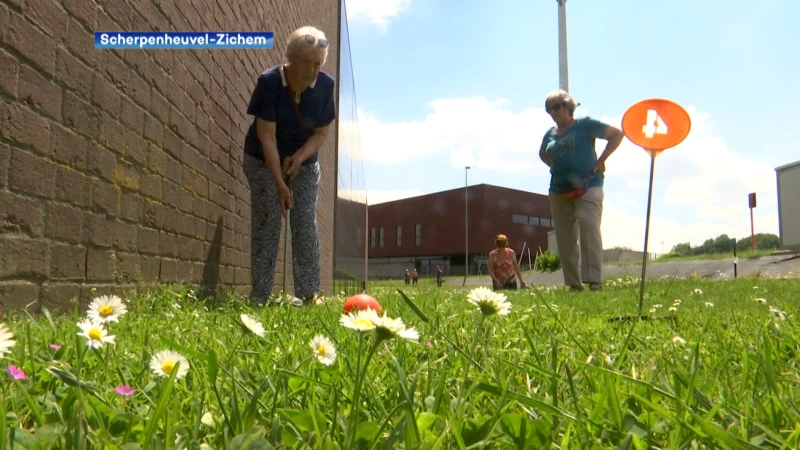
x,y
600,167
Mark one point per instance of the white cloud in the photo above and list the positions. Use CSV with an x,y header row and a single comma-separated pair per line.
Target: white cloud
x,y
475,131
375,11
379,196
700,187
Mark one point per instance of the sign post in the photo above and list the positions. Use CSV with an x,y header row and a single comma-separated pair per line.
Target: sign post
x,y
752,199
655,125
735,259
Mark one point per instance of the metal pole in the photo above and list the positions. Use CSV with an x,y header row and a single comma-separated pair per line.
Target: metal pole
x,y
466,225
752,232
286,253
646,231
563,69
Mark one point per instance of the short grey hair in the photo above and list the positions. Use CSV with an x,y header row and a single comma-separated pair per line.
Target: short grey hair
x,y
562,97
296,45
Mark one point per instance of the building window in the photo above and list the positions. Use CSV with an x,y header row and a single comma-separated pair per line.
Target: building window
x,y
381,239
516,218
546,222
399,236
533,221
373,241
418,231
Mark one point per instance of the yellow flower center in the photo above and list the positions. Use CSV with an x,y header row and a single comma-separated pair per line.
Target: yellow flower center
x,y
321,350
95,334
167,367
363,323
106,310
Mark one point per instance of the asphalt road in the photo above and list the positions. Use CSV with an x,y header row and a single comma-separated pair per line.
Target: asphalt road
x,y
767,267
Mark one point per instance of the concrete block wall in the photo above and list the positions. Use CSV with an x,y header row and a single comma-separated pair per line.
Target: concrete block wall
x,y
121,169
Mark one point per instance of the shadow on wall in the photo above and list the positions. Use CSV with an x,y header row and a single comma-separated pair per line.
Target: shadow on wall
x,y
209,284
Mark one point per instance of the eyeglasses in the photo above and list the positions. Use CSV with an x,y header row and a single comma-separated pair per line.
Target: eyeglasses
x,y
554,107
321,43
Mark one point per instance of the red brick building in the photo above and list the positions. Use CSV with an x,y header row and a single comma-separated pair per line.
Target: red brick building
x,y
421,232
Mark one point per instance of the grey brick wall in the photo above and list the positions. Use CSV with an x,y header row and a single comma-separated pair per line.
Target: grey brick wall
x,y
120,169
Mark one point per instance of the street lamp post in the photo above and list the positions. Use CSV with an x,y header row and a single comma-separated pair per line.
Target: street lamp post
x,y
563,67
466,225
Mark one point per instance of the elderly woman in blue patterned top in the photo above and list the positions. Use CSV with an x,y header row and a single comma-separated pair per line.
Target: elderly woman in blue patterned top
x,y
293,109
576,187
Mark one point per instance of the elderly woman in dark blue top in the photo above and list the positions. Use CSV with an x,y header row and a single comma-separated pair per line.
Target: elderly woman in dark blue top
x,y
576,187
293,109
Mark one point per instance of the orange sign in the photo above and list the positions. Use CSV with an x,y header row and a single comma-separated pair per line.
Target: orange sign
x,y
656,124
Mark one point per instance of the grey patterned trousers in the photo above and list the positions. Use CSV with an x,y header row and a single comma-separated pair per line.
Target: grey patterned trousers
x,y
265,231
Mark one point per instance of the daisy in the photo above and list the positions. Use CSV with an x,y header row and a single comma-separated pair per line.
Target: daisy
x,y
761,300
777,313
106,308
253,325
709,305
17,373
124,390
324,351
489,302
361,320
6,340
679,340
388,328
164,362
95,334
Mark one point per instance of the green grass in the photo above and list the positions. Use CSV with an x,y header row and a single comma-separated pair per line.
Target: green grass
x,y
554,373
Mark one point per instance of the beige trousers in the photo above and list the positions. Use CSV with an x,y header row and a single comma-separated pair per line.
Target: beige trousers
x,y
579,218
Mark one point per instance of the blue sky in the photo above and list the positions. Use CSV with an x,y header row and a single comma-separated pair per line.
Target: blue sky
x,y
442,84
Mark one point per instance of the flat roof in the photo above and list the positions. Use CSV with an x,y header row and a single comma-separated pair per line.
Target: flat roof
x,y
787,166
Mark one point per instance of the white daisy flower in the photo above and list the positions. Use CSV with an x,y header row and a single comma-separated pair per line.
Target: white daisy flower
x,y
489,302
164,362
95,333
679,340
106,308
6,340
208,420
324,351
777,313
253,325
709,305
361,320
388,328
763,301
698,291
673,308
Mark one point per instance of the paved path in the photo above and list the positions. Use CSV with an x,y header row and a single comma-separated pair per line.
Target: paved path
x,y
767,266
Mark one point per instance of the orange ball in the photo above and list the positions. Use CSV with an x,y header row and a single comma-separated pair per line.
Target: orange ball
x,y
361,302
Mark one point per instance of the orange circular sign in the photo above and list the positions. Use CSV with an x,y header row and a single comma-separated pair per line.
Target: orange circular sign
x,y
656,124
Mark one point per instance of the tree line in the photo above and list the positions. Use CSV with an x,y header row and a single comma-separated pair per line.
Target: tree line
x,y
722,244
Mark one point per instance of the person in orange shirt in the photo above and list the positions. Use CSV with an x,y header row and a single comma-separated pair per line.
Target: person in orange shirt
x,y
503,266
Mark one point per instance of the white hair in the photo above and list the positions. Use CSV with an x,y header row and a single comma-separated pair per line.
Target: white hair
x,y
562,97
297,45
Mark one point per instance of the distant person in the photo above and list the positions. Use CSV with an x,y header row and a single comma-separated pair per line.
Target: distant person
x,y
293,109
408,278
576,187
503,266
439,275
414,277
